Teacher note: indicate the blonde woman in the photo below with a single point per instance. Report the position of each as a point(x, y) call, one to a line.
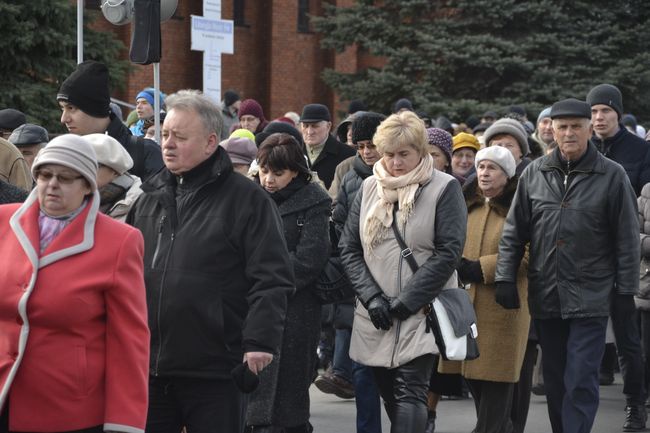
point(389, 330)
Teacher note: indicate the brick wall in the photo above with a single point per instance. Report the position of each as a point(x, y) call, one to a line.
point(272, 63)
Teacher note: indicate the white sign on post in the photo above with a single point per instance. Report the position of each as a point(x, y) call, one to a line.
point(213, 36)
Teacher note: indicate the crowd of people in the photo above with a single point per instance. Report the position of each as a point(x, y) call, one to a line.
point(168, 287)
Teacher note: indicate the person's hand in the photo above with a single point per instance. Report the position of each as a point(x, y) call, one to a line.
point(507, 295)
point(257, 360)
point(469, 271)
point(379, 312)
point(399, 310)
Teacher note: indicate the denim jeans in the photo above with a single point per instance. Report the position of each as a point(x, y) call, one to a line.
point(367, 399)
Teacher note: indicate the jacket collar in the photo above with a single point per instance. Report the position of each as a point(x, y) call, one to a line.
point(604, 145)
point(589, 163)
point(214, 169)
point(76, 238)
point(362, 169)
point(501, 204)
point(329, 148)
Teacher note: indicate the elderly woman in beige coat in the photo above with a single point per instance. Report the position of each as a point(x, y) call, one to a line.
point(389, 331)
point(502, 333)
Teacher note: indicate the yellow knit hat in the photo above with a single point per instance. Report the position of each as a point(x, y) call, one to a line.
point(465, 140)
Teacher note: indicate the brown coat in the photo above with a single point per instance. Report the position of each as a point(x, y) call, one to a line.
point(502, 334)
point(13, 168)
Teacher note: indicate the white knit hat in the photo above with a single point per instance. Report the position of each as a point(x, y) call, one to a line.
point(110, 152)
point(500, 156)
point(72, 151)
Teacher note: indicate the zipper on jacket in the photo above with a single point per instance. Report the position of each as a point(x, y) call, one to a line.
point(161, 225)
point(160, 294)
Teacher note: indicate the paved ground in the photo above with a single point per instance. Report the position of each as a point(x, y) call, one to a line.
point(330, 414)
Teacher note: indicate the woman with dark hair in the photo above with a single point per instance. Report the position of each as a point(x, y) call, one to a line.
point(281, 402)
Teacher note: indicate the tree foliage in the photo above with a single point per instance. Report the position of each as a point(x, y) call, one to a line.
point(39, 47)
point(461, 57)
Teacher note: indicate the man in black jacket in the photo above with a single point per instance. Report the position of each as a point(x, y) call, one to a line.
point(217, 274)
point(84, 100)
point(633, 153)
point(577, 212)
point(324, 151)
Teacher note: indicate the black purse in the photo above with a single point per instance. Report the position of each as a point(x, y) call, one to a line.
point(450, 316)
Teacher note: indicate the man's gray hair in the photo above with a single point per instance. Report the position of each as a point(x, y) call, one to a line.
point(196, 101)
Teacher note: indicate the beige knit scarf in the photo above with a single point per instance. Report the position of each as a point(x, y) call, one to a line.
point(392, 189)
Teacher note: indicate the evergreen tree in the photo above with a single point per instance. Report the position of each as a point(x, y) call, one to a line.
point(461, 57)
point(39, 50)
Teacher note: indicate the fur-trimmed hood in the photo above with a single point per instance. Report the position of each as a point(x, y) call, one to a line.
point(501, 204)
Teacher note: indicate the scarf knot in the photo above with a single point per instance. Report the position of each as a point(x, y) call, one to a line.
point(392, 190)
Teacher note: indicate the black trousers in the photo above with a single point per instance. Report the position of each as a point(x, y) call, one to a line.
point(404, 390)
point(493, 401)
point(645, 342)
point(572, 351)
point(522, 389)
point(199, 405)
point(628, 345)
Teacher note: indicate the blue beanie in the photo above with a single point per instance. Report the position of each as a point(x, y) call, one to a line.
point(148, 94)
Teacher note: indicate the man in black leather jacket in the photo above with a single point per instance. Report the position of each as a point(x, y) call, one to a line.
point(217, 274)
point(577, 213)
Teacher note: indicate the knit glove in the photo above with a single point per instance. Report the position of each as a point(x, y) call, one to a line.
point(399, 310)
point(507, 295)
point(470, 271)
point(379, 311)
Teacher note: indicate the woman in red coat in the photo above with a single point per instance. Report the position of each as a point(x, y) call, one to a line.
point(74, 341)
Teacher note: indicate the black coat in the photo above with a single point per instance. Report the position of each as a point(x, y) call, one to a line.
point(332, 154)
point(146, 154)
point(583, 239)
point(632, 152)
point(217, 270)
point(282, 399)
point(350, 185)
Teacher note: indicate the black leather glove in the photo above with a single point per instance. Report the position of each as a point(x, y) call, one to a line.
point(507, 295)
point(470, 271)
point(379, 311)
point(399, 310)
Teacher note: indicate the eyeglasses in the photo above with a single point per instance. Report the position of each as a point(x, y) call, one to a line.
point(64, 179)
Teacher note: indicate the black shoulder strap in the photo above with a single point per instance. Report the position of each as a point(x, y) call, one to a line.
point(406, 251)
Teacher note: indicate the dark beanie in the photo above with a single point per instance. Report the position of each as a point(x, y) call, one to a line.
point(403, 104)
point(608, 95)
point(278, 127)
point(230, 97)
point(11, 119)
point(357, 105)
point(87, 89)
point(365, 125)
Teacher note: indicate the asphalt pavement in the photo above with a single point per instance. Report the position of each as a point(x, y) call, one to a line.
point(330, 414)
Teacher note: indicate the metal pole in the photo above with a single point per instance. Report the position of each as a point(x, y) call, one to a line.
point(80, 31)
point(156, 100)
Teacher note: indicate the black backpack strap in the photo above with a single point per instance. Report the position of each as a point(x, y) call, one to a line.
point(406, 251)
